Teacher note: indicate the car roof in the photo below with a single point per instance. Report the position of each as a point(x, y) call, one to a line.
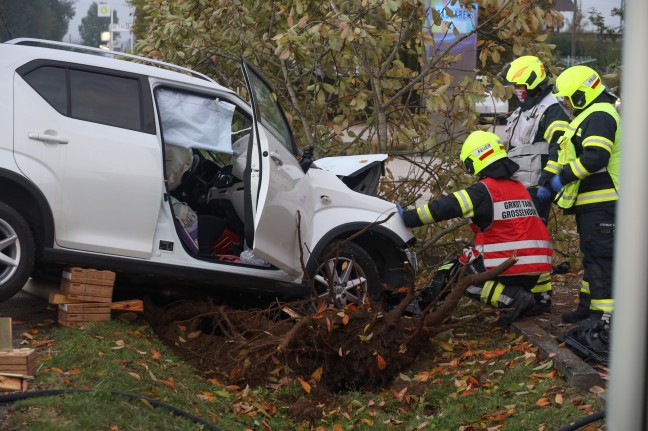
point(22, 50)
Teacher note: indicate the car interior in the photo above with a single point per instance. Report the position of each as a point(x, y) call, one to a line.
point(205, 145)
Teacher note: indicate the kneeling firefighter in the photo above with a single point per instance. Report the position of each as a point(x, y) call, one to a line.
point(505, 222)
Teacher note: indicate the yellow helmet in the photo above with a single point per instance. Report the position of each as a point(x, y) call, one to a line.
point(527, 70)
point(480, 149)
point(580, 84)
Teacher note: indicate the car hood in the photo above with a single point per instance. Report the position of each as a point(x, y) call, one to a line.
point(360, 173)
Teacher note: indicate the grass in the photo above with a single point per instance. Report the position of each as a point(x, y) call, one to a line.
point(476, 379)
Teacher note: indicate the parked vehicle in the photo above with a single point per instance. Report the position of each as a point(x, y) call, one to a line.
point(156, 170)
point(490, 108)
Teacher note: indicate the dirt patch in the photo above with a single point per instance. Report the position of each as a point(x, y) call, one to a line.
point(343, 349)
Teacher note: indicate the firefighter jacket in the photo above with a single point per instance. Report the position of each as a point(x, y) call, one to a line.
point(590, 155)
point(503, 218)
point(532, 133)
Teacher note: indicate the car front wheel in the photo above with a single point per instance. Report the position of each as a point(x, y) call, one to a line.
point(346, 274)
point(17, 252)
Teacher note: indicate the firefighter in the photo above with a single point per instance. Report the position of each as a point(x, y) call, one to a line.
point(588, 185)
point(532, 133)
point(505, 222)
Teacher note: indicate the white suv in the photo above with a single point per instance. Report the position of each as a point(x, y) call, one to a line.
point(153, 169)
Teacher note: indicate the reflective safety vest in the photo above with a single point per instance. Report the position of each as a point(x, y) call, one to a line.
point(521, 129)
point(516, 231)
point(569, 195)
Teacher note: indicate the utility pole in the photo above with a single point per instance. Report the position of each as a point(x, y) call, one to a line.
point(574, 28)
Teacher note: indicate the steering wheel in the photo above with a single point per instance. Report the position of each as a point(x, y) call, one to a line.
point(191, 173)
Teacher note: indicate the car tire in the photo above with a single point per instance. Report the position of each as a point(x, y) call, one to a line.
point(351, 284)
point(17, 252)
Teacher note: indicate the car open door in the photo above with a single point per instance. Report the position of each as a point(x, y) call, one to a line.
point(278, 203)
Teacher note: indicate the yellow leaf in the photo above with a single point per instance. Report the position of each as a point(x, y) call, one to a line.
point(317, 374)
point(597, 390)
point(305, 386)
point(559, 399)
point(381, 363)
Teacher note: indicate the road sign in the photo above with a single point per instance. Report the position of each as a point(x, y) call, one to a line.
point(103, 10)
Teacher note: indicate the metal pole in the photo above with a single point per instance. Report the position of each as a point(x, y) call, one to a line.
point(574, 25)
point(110, 40)
point(627, 403)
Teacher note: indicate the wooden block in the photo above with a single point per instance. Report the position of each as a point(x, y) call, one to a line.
point(19, 369)
point(60, 298)
point(130, 305)
point(85, 292)
point(10, 383)
point(89, 276)
point(86, 308)
point(65, 317)
point(18, 357)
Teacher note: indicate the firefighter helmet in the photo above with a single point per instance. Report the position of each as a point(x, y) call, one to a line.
point(580, 84)
point(527, 71)
point(480, 150)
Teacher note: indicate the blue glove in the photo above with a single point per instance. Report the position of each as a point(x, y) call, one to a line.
point(543, 194)
point(400, 209)
point(556, 184)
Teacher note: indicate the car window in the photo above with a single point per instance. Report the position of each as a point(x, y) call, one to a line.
point(50, 83)
point(97, 97)
point(105, 99)
point(272, 116)
point(195, 121)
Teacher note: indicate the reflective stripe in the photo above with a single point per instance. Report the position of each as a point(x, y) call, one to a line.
point(424, 214)
point(521, 260)
point(492, 293)
point(465, 203)
point(585, 287)
point(556, 126)
point(517, 245)
point(605, 195)
point(543, 284)
point(446, 266)
point(599, 141)
point(604, 305)
point(578, 169)
point(553, 167)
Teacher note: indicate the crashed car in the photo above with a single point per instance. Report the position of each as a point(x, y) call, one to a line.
point(154, 170)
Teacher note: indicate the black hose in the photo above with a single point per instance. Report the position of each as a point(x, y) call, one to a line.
point(18, 396)
point(584, 421)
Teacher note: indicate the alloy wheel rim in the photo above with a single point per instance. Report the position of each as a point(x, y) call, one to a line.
point(9, 252)
point(348, 281)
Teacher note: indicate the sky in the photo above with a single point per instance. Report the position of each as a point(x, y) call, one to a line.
point(81, 8)
point(603, 6)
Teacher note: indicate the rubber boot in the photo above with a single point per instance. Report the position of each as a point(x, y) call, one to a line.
point(542, 304)
point(522, 301)
point(579, 314)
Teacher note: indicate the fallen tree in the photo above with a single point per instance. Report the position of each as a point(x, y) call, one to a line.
point(362, 347)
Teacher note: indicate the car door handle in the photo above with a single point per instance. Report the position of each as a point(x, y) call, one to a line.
point(44, 137)
point(277, 159)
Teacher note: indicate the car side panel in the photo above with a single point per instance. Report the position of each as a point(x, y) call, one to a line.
point(104, 184)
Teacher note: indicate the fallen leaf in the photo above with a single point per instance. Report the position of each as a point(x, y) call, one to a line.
point(155, 354)
point(345, 319)
point(543, 402)
point(559, 399)
point(381, 363)
point(194, 334)
point(135, 375)
point(305, 386)
point(317, 374)
point(597, 390)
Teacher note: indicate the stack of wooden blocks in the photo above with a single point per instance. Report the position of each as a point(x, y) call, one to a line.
point(16, 366)
point(88, 296)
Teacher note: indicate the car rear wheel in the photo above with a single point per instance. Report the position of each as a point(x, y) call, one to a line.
point(17, 251)
point(346, 274)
